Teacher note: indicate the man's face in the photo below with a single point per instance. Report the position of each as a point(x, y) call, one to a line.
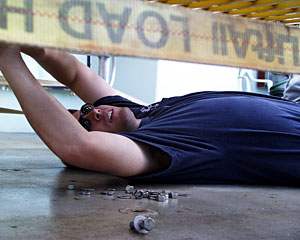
point(111, 119)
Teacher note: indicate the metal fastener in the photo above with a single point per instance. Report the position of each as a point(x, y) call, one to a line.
point(173, 195)
point(129, 189)
point(141, 224)
point(85, 193)
point(147, 224)
point(146, 194)
point(161, 198)
point(139, 194)
point(111, 191)
point(166, 195)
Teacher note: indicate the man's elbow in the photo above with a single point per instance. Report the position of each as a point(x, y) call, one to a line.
point(71, 156)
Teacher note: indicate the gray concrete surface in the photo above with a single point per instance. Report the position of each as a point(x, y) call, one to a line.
point(35, 203)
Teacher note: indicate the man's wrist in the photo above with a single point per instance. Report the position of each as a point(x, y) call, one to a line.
point(9, 57)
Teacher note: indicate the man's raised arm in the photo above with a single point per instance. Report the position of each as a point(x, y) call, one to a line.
point(68, 70)
point(62, 133)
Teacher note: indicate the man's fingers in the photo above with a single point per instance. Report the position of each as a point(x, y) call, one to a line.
point(34, 52)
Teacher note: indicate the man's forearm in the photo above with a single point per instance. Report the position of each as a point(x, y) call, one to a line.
point(65, 68)
point(61, 65)
point(58, 129)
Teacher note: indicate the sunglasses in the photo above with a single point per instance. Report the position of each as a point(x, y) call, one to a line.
point(84, 110)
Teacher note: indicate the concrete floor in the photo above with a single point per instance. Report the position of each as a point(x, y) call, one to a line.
point(35, 203)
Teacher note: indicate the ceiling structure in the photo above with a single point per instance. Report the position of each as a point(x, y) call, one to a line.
point(283, 11)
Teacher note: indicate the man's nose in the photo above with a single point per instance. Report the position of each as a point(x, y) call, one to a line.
point(95, 114)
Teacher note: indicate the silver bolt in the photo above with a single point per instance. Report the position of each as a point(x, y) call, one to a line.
point(111, 191)
point(142, 224)
point(165, 195)
point(147, 224)
point(173, 195)
point(161, 198)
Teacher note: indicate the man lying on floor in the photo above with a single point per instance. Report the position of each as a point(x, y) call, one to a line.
point(204, 137)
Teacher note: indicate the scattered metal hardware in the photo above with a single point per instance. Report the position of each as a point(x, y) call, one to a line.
point(129, 189)
point(141, 224)
point(162, 196)
point(71, 186)
point(173, 195)
point(124, 196)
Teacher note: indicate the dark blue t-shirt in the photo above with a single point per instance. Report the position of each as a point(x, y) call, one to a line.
point(220, 137)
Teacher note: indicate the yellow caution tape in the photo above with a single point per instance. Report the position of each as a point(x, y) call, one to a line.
point(143, 29)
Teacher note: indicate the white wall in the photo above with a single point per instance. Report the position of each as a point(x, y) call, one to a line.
point(137, 77)
point(177, 78)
